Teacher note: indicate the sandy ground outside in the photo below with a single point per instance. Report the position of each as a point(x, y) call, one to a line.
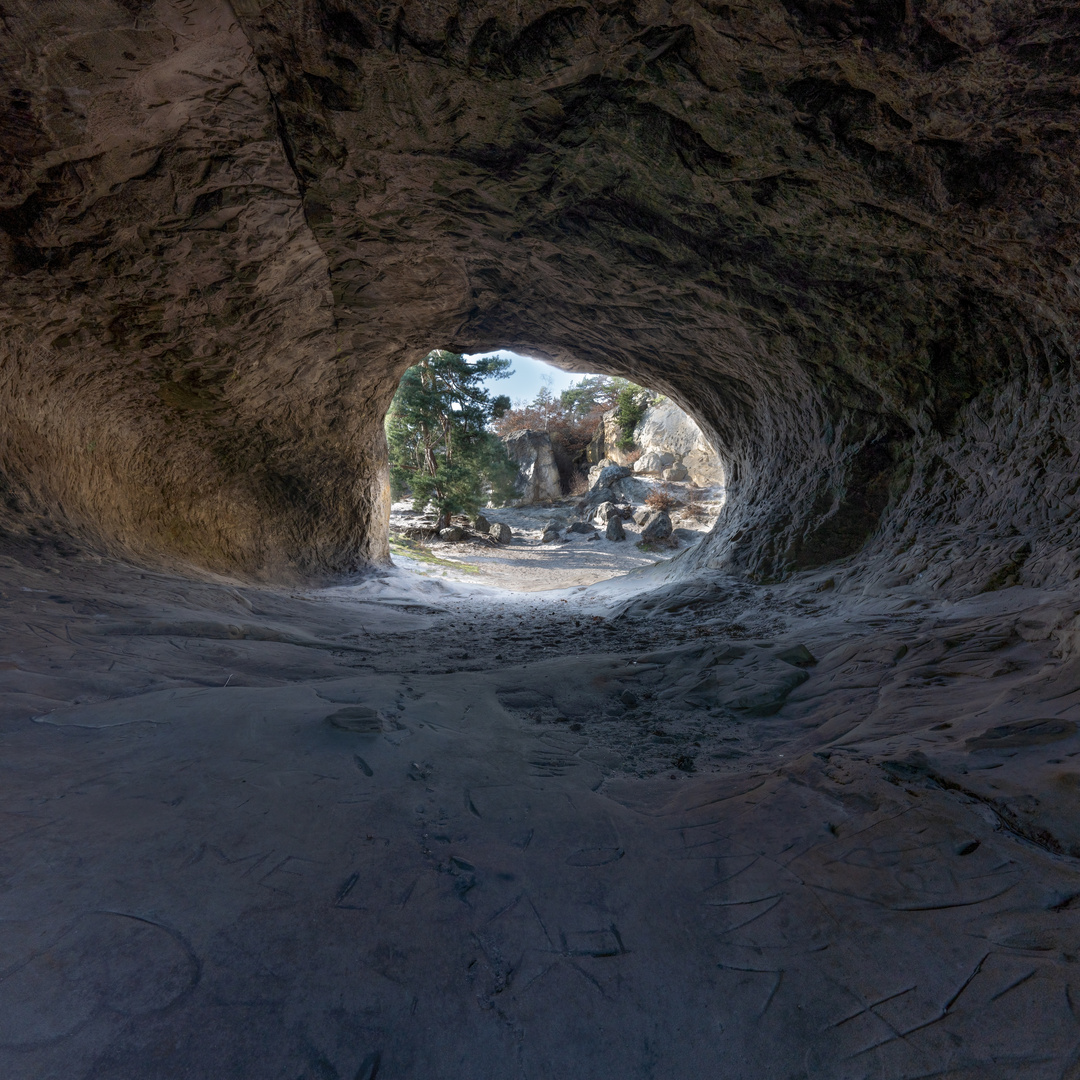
point(527, 565)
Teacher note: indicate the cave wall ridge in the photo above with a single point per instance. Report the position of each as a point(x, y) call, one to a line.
point(844, 237)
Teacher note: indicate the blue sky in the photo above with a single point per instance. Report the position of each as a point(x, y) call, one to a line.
point(529, 376)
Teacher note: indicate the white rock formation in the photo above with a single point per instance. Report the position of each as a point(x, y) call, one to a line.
point(668, 437)
point(538, 476)
point(605, 443)
point(653, 461)
point(671, 446)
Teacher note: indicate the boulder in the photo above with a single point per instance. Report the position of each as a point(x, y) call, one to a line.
point(607, 476)
point(642, 515)
point(703, 467)
point(653, 461)
point(665, 426)
point(580, 527)
point(657, 527)
point(676, 472)
point(631, 489)
point(550, 533)
point(594, 452)
point(594, 499)
point(598, 468)
point(605, 511)
point(538, 476)
point(451, 533)
point(614, 530)
point(481, 524)
point(500, 533)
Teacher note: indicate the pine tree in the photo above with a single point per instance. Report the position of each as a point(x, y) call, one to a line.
point(441, 451)
point(592, 395)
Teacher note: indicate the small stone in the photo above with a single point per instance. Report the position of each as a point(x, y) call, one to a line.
point(614, 530)
point(481, 524)
point(605, 511)
point(642, 515)
point(500, 533)
point(451, 534)
point(628, 698)
point(580, 527)
point(550, 533)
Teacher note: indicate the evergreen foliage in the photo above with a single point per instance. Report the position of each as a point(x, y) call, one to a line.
point(441, 451)
point(630, 407)
point(591, 396)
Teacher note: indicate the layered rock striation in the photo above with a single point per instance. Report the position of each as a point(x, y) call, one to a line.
point(843, 237)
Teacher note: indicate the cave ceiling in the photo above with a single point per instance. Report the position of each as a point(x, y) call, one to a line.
point(844, 235)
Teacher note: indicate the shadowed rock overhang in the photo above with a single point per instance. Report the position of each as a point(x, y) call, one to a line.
point(843, 236)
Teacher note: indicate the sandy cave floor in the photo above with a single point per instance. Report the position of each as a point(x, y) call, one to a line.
point(413, 828)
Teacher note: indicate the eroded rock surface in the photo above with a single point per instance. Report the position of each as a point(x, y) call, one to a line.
point(665, 430)
point(538, 475)
point(399, 829)
point(728, 824)
point(842, 237)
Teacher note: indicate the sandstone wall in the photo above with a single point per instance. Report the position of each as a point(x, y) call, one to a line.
point(605, 443)
point(844, 237)
point(665, 428)
point(538, 475)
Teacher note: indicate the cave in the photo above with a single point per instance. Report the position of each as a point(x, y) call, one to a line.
point(798, 802)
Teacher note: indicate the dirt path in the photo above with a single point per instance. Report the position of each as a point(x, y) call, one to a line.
point(527, 565)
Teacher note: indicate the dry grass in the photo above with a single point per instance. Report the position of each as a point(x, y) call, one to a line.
point(662, 498)
point(695, 510)
point(407, 548)
point(654, 547)
point(632, 456)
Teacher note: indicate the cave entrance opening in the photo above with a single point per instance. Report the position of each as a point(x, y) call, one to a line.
point(507, 471)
